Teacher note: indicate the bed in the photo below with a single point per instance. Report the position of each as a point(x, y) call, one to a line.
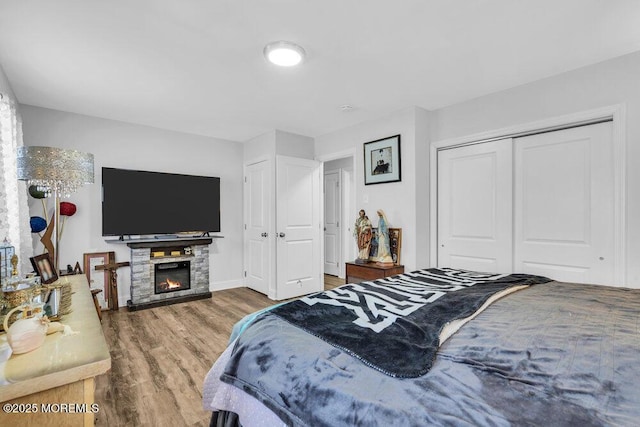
point(529, 351)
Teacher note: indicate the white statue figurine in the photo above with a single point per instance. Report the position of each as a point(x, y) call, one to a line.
point(384, 244)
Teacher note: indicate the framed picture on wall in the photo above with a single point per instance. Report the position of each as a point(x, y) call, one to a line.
point(99, 279)
point(382, 161)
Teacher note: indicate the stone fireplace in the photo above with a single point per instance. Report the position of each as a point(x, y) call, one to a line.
point(168, 271)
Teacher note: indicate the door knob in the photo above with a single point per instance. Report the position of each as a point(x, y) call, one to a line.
point(281, 234)
point(265, 234)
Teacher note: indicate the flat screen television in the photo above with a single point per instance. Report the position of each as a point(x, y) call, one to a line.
point(141, 203)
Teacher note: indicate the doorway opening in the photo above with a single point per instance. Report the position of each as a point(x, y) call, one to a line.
point(338, 206)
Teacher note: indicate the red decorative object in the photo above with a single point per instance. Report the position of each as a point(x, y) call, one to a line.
point(67, 209)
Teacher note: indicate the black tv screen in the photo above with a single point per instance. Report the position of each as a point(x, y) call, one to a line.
point(141, 202)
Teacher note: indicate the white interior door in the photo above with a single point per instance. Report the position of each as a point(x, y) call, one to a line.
point(332, 237)
point(258, 241)
point(299, 262)
point(475, 207)
point(564, 204)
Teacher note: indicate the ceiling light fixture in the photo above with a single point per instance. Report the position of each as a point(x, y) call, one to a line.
point(284, 54)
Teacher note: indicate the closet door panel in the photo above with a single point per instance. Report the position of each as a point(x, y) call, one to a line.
point(299, 262)
point(564, 222)
point(475, 207)
point(258, 247)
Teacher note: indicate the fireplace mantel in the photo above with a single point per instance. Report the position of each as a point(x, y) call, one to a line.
point(163, 239)
point(159, 243)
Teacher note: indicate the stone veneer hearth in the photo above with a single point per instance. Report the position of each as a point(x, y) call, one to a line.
point(145, 255)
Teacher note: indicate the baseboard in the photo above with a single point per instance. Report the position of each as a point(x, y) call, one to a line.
point(177, 300)
point(227, 284)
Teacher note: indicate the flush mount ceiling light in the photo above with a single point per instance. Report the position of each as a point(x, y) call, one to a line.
point(284, 54)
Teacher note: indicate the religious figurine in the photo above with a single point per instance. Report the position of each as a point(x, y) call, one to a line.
point(362, 232)
point(384, 245)
point(14, 264)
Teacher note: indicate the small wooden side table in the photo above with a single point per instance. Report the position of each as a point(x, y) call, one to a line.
point(361, 272)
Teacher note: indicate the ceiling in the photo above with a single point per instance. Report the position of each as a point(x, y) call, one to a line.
point(197, 66)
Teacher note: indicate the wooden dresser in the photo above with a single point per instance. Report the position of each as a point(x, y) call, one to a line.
point(54, 384)
point(361, 272)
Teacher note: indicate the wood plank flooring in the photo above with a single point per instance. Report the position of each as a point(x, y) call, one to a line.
point(160, 356)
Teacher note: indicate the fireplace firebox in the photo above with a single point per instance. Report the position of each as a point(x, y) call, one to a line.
point(172, 276)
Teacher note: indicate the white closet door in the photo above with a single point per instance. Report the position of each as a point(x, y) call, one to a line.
point(258, 242)
point(475, 207)
point(564, 206)
point(299, 263)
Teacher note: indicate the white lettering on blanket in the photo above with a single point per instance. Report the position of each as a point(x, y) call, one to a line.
point(377, 310)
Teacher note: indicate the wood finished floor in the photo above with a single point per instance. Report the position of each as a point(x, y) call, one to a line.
point(160, 356)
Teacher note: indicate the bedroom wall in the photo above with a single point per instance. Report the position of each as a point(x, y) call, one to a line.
point(403, 203)
point(129, 146)
point(608, 83)
point(5, 86)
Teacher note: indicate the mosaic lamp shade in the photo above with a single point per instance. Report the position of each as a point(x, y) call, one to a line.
point(53, 169)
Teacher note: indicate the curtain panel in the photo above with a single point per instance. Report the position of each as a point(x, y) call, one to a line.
point(14, 209)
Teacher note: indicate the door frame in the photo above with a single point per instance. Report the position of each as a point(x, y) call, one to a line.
point(340, 216)
point(347, 206)
point(616, 113)
point(351, 153)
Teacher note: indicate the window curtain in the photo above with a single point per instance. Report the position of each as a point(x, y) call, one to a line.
point(14, 209)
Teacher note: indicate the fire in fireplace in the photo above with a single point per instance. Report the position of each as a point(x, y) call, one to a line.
point(172, 276)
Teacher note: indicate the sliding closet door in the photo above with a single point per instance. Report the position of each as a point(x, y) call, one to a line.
point(564, 206)
point(475, 207)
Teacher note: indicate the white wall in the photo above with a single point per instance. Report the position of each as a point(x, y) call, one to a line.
point(612, 82)
point(260, 148)
point(129, 146)
point(294, 145)
point(333, 165)
point(398, 199)
point(5, 86)
point(277, 142)
point(421, 160)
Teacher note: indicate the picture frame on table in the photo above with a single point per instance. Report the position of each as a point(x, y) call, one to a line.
point(44, 267)
point(99, 279)
point(395, 243)
point(395, 240)
point(382, 161)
